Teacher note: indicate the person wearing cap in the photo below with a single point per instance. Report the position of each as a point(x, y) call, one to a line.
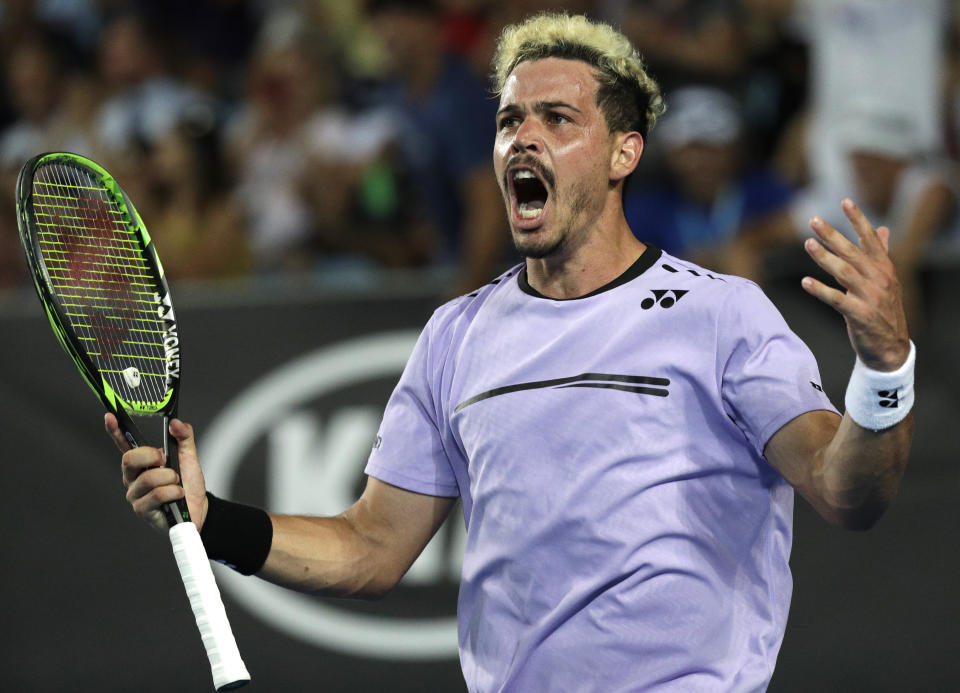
point(711, 209)
point(899, 186)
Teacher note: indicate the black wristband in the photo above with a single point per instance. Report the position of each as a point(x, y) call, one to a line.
point(239, 536)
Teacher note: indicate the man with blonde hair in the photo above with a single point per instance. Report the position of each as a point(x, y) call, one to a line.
point(623, 427)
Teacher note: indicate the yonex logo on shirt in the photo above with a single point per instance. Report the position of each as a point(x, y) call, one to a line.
point(662, 299)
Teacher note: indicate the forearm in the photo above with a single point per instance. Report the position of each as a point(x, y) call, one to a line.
point(363, 552)
point(864, 460)
point(859, 472)
point(326, 555)
point(857, 468)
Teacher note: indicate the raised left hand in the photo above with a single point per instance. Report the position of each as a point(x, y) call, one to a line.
point(872, 304)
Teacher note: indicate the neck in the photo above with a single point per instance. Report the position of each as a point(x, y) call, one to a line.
point(606, 254)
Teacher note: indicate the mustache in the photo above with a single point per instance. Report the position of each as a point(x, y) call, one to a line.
point(533, 163)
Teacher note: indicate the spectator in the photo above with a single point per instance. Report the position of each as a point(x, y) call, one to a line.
point(775, 86)
point(53, 112)
point(76, 23)
point(212, 42)
point(490, 17)
point(309, 168)
point(268, 144)
point(49, 107)
point(193, 218)
point(846, 68)
point(899, 187)
point(953, 86)
point(360, 197)
point(447, 122)
point(683, 42)
point(18, 18)
point(144, 101)
point(348, 33)
point(713, 209)
point(688, 41)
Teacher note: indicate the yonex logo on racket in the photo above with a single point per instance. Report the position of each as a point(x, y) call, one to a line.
point(171, 338)
point(165, 307)
point(171, 345)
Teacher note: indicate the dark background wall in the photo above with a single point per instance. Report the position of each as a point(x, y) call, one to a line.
point(92, 598)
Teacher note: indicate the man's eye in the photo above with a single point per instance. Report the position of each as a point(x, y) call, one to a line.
point(509, 122)
point(558, 118)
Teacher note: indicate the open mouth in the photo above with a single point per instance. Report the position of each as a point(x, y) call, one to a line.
point(530, 192)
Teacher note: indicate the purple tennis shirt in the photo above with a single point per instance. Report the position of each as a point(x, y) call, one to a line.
point(624, 531)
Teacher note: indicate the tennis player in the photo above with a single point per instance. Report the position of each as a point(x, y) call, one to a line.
point(625, 429)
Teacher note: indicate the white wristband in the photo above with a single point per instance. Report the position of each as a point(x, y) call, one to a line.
point(878, 400)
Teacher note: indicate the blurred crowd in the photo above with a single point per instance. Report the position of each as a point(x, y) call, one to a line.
point(339, 136)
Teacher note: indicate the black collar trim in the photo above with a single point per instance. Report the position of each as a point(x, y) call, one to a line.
point(646, 260)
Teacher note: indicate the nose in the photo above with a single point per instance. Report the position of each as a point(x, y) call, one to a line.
point(528, 137)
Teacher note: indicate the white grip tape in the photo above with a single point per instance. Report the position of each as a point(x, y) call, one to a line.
point(225, 662)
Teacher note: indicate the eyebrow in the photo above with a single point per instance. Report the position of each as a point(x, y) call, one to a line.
point(539, 107)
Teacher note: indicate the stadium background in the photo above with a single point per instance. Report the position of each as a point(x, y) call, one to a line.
point(92, 596)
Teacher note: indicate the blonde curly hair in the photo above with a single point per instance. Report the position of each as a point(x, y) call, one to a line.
point(628, 97)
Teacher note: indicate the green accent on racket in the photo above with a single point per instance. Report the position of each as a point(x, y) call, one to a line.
point(101, 282)
point(103, 291)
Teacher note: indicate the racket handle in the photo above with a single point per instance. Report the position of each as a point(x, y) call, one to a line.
point(226, 665)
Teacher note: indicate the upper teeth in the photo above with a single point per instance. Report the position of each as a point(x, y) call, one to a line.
point(523, 174)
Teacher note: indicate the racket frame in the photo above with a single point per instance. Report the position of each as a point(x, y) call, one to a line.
point(227, 667)
point(176, 512)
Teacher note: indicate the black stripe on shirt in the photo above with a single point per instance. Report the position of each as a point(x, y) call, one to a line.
point(581, 380)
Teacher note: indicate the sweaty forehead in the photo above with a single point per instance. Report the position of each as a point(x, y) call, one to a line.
point(550, 79)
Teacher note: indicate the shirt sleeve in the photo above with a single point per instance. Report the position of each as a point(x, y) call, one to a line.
point(768, 375)
point(408, 451)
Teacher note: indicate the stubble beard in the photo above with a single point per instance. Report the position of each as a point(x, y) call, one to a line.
point(568, 238)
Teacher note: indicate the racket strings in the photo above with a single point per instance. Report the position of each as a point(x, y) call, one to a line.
point(100, 276)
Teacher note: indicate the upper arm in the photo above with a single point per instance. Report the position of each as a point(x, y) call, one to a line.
point(411, 484)
point(797, 451)
point(850, 474)
point(397, 522)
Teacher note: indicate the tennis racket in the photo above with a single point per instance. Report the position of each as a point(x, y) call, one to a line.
point(102, 287)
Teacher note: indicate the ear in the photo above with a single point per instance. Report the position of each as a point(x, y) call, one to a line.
point(628, 147)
